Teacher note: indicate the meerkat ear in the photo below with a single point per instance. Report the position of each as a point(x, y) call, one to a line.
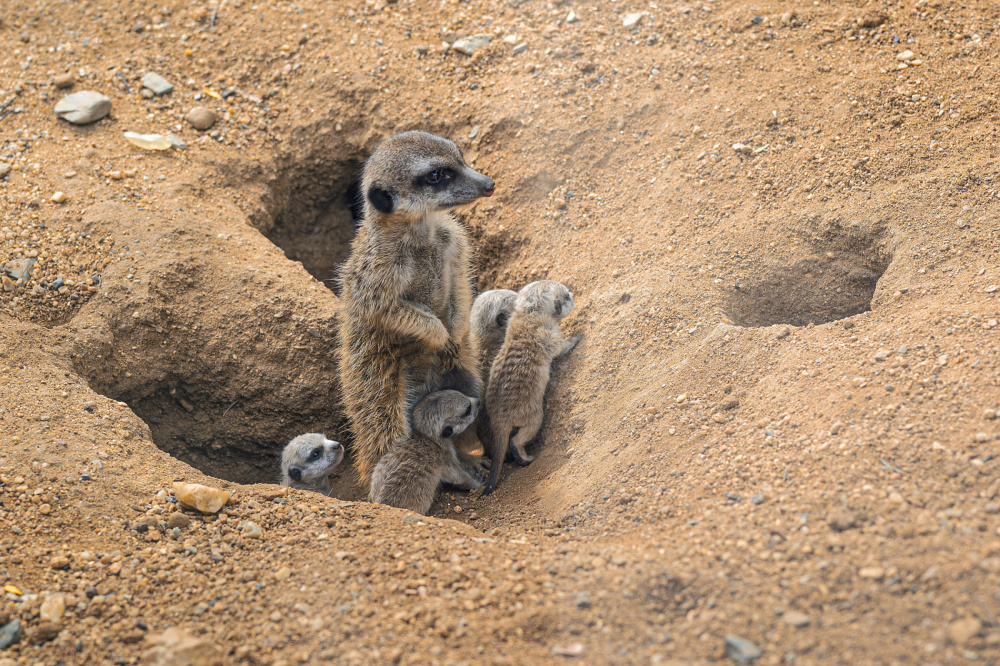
point(295, 473)
point(502, 319)
point(382, 198)
point(558, 307)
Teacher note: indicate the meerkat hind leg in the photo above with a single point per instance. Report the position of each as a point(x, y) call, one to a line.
point(524, 435)
point(568, 345)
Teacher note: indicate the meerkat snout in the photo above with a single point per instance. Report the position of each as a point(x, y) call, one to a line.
point(308, 460)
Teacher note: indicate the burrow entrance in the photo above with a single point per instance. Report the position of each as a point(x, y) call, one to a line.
point(310, 209)
point(837, 279)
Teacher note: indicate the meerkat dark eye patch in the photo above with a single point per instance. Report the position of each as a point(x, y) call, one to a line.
point(382, 199)
point(316, 453)
point(502, 320)
point(295, 474)
point(447, 432)
point(559, 307)
point(436, 177)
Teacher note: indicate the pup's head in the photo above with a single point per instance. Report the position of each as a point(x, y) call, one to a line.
point(310, 458)
point(415, 173)
point(490, 313)
point(547, 297)
point(444, 414)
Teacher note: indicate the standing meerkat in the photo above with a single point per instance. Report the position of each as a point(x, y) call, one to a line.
point(308, 460)
point(520, 373)
point(406, 291)
point(490, 313)
point(407, 477)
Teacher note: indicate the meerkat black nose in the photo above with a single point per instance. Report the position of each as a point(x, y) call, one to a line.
point(335, 446)
point(489, 187)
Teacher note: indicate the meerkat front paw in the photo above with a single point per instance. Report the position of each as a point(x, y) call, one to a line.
point(448, 355)
point(477, 466)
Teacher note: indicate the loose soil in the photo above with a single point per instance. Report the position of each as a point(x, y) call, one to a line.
point(780, 423)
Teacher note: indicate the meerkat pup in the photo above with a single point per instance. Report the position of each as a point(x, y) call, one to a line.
point(490, 313)
point(408, 476)
point(520, 373)
point(407, 291)
point(308, 460)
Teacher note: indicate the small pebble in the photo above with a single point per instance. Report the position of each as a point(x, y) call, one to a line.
point(741, 650)
point(202, 498)
point(201, 118)
point(795, 619)
point(471, 44)
point(252, 530)
point(632, 20)
point(10, 634)
point(59, 197)
point(962, 631)
point(871, 573)
point(64, 80)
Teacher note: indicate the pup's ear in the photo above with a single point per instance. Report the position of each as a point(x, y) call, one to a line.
point(502, 319)
point(558, 307)
point(295, 473)
point(383, 198)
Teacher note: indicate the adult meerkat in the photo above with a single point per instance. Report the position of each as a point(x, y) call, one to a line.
point(406, 291)
point(407, 477)
point(520, 373)
point(308, 460)
point(490, 313)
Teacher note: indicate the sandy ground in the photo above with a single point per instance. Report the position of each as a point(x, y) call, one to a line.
point(778, 219)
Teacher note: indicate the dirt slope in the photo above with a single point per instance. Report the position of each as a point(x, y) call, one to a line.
point(778, 220)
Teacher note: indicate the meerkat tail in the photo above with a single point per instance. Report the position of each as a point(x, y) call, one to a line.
point(496, 448)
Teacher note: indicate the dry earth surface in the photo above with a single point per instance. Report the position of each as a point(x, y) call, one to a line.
point(779, 221)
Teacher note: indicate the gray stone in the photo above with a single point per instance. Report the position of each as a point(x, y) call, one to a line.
point(84, 107)
point(741, 650)
point(10, 634)
point(520, 48)
point(19, 269)
point(471, 44)
point(177, 142)
point(474, 133)
point(757, 499)
point(581, 600)
point(4, 169)
point(157, 84)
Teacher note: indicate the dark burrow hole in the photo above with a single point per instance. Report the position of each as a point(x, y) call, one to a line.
point(313, 211)
point(837, 279)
